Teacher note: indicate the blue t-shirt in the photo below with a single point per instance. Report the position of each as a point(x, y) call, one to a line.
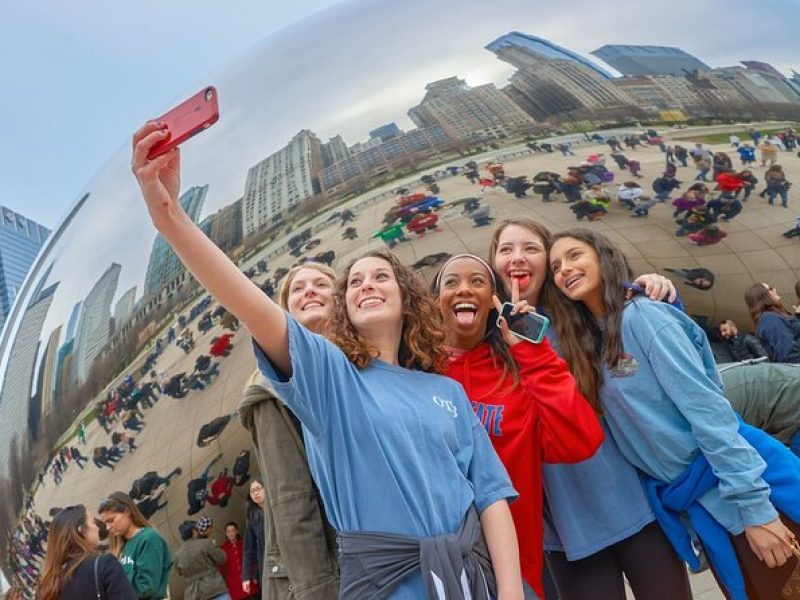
point(595, 503)
point(392, 450)
point(663, 403)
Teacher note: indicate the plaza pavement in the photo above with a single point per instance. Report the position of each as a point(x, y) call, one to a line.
point(754, 250)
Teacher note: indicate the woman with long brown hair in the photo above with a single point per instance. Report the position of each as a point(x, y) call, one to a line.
point(599, 529)
point(777, 328)
point(144, 554)
point(406, 471)
point(73, 568)
point(650, 369)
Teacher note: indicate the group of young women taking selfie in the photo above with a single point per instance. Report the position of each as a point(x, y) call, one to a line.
point(451, 455)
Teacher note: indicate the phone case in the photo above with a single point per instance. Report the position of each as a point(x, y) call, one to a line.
point(189, 118)
point(537, 332)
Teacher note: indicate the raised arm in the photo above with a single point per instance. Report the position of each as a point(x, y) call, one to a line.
point(159, 180)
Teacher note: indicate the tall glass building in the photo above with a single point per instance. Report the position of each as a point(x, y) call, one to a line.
point(544, 48)
point(649, 60)
point(20, 240)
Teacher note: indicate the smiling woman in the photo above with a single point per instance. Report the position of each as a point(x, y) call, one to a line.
point(379, 465)
point(522, 392)
point(657, 379)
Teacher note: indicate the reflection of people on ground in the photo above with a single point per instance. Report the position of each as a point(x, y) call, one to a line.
point(254, 544)
point(212, 430)
point(766, 395)
point(350, 233)
point(78, 457)
point(196, 489)
point(132, 422)
point(777, 328)
point(741, 346)
point(123, 443)
point(176, 386)
point(101, 458)
point(82, 433)
point(198, 560)
point(221, 489)
point(149, 506)
point(221, 346)
point(241, 468)
point(206, 368)
point(702, 279)
point(233, 547)
point(150, 482)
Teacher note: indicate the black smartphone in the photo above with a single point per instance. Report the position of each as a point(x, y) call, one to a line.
point(526, 326)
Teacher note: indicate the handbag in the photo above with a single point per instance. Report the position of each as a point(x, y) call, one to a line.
point(96, 579)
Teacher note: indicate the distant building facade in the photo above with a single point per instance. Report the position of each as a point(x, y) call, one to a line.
point(281, 181)
point(164, 265)
point(649, 60)
point(360, 171)
point(94, 327)
point(551, 80)
point(386, 132)
point(334, 150)
point(20, 241)
point(15, 401)
point(466, 113)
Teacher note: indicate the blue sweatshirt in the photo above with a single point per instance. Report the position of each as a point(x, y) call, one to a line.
point(663, 403)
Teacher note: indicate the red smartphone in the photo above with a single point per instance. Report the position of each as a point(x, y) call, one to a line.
point(187, 119)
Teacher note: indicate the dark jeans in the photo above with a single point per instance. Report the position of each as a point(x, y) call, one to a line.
point(646, 559)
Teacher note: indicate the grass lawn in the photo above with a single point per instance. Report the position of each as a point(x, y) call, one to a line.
point(719, 138)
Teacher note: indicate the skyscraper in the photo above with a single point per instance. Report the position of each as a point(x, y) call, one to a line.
point(334, 150)
point(649, 60)
point(540, 47)
point(124, 308)
point(16, 391)
point(164, 265)
point(386, 132)
point(281, 181)
point(551, 80)
point(94, 326)
point(20, 241)
point(467, 113)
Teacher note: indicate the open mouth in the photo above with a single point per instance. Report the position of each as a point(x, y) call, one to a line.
point(313, 304)
point(465, 313)
point(572, 281)
point(523, 277)
point(370, 302)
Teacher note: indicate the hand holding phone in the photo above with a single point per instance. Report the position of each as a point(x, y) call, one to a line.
point(186, 120)
point(528, 326)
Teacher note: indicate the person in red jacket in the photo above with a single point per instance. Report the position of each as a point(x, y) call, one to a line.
point(221, 346)
point(523, 393)
point(232, 569)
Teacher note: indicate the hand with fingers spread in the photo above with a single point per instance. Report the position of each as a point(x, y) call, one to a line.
point(656, 287)
point(160, 178)
point(771, 543)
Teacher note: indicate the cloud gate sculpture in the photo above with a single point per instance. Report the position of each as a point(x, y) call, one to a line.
point(412, 129)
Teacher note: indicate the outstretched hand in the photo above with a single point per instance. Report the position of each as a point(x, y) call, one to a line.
point(160, 178)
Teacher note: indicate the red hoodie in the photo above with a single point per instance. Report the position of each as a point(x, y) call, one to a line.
point(545, 418)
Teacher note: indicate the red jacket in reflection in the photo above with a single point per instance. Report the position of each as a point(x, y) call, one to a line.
point(543, 419)
point(221, 346)
point(232, 570)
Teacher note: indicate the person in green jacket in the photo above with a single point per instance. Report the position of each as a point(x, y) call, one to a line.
point(144, 554)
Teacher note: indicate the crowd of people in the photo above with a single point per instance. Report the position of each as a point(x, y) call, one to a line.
point(414, 442)
point(700, 209)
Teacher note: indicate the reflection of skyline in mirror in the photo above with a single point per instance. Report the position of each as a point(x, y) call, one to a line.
point(324, 112)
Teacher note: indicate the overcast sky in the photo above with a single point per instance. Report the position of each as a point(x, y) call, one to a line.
point(79, 77)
